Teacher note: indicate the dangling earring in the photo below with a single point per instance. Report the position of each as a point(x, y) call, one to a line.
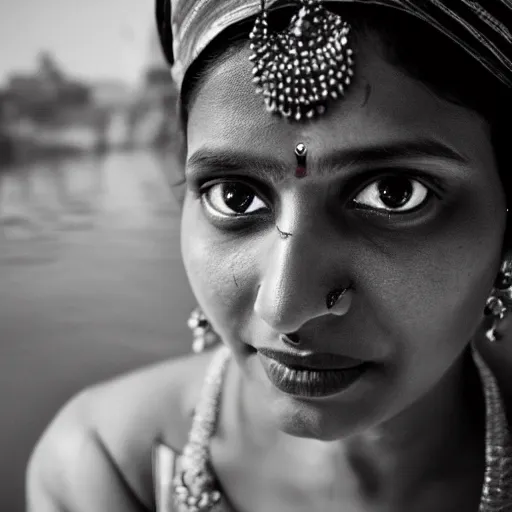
point(499, 303)
point(204, 335)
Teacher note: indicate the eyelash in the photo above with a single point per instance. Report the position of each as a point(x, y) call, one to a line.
point(433, 187)
point(204, 189)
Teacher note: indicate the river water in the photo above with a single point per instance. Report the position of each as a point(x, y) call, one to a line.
point(91, 285)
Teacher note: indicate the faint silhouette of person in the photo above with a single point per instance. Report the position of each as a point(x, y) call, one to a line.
point(7, 149)
point(15, 135)
point(15, 152)
point(100, 154)
point(167, 145)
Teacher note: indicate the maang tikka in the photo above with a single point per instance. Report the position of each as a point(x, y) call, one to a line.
point(300, 69)
point(499, 303)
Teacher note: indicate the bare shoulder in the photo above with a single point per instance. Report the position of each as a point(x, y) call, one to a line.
point(111, 428)
point(154, 402)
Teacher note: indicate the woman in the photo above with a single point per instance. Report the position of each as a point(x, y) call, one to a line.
point(348, 245)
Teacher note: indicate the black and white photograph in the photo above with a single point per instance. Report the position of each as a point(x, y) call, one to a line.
point(256, 256)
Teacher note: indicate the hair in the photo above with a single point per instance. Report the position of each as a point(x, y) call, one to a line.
point(408, 43)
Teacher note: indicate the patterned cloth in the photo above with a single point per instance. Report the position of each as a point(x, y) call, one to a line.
point(483, 28)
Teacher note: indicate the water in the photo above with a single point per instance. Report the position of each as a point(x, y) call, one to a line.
point(91, 285)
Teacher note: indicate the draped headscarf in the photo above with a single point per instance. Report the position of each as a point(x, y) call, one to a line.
point(482, 28)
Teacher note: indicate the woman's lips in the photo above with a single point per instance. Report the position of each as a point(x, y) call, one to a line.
point(310, 360)
point(310, 375)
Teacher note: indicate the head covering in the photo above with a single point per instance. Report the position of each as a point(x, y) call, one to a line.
point(482, 28)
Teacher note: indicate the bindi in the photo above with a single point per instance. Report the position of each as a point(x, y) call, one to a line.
point(300, 154)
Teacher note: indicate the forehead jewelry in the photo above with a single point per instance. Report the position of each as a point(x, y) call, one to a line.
point(300, 69)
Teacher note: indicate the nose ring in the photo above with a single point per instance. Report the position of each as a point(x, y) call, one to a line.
point(334, 296)
point(290, 339)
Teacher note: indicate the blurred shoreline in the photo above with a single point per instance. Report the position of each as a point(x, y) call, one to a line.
point(91, 278)
point(91, 285)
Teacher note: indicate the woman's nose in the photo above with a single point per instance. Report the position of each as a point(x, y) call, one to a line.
point(299, 275)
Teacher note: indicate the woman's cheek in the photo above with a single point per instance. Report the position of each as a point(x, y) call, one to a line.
point(219, 267)
point(207, 270)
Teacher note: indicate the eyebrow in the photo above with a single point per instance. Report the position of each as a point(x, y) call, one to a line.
point(265, 167)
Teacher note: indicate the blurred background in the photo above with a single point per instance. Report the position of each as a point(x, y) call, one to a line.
point(91, 280)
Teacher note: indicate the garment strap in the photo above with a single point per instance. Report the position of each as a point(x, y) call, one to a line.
point(164, 468)
point(180, 479)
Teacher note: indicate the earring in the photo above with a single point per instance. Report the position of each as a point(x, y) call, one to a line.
point(499, 303)
point(204, 335)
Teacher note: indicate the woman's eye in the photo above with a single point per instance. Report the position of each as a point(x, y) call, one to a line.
point(233, 199)
point(393, 194)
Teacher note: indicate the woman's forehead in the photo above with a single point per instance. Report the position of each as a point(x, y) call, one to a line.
point(384, 106)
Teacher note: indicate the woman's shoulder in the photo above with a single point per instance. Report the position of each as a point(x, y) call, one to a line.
point(120, 420)
point(156, 400)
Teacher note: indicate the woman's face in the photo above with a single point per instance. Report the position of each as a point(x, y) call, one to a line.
point(420, 272)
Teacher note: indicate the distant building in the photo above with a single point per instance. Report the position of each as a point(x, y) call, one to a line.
point(154, 117)
point(46, 94)
point(112, 94)
point(96, 115)
point(157, 78)
point(50, 112)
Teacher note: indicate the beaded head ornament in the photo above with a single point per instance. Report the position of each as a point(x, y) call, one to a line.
point(300, 69)
point(482, 28)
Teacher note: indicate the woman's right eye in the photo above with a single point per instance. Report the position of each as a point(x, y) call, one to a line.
point(233, 199)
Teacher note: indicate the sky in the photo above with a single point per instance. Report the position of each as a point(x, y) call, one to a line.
point(91, 39)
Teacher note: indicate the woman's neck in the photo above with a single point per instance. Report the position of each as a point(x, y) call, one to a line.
point(439, 440)
point(441, 436)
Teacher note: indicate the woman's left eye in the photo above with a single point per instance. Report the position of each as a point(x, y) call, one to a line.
point(393, 194)
point(233, 199)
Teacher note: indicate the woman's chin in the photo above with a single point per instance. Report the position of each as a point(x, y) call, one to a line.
point(333, 416)
point(307, 420)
